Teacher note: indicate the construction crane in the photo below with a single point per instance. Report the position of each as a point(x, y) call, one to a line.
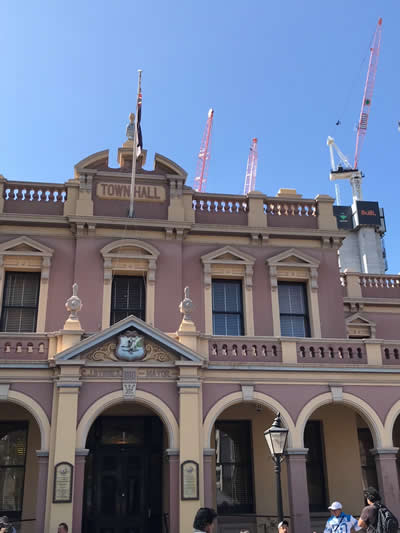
point(200, 179)
point(344, 170)
point(251, 169)
point(368, 92)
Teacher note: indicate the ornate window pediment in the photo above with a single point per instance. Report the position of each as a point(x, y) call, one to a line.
point(228, 262)
point(293, 265)
point(360, 327)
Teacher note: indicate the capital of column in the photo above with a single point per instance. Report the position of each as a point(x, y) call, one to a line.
point(80, 455)
point(297, 451)
point(172, 454)
point(384, 451)
point(42, 456)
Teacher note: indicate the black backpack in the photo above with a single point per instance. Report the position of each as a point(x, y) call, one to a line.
point(386, 521)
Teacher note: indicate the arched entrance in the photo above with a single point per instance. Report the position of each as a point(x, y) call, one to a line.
point(339, 442)
point(126, 478)
point(20, 469)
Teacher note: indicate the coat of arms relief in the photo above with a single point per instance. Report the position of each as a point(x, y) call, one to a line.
point(130, 346)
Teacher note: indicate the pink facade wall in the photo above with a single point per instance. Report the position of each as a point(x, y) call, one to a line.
point(387, 324)
point(41, 392)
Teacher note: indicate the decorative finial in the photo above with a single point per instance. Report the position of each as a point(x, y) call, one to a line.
point(186, 306)
point(74, 303)
point(130, 128)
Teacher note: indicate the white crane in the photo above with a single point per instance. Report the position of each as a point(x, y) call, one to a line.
point(343, 171)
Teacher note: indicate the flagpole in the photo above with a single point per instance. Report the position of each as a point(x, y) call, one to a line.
point(134, 151)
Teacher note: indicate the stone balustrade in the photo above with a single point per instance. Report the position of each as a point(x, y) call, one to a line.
point(287, 208)
point(43, 192)
point(391, 353)
point(245, 349)
point(334, 352)
point(380, 281)
point(360, 285)
point(23, 347)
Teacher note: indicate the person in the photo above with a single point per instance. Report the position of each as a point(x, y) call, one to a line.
point(369, 515)
point(62, 528)
point(6, 526)
point(283, 527)
point(204, 520)
point(340, 522)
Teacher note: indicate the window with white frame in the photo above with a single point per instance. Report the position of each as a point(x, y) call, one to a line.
point(20, 302)
point(227, 307)
point(293, 309)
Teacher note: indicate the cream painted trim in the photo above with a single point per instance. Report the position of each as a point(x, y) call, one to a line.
point(238, 266)
point(305, 270)
point(360, 406)
point(390, 420)
point(145, 398)
point(237, 397)
point(37, 259)
point(36, 411)
point(141, 259)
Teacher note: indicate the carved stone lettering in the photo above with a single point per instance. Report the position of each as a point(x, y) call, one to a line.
point(121, 191)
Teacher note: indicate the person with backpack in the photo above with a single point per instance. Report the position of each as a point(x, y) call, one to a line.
point(376, 517)
point(339, 522)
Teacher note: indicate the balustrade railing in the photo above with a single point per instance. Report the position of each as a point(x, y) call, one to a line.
point(22, 346)
point(245, 350)
point(43, 192)
point(331, 353)
point(391, 354)
point(379, 281)
point(218, 204)
point(300, 208)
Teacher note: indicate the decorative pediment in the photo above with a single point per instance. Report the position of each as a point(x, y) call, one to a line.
point(228, 262)
point(129, 341)
point(129, 255)
point(293, 256)
point(293, 265)
point(25, 246)
point(359, 326)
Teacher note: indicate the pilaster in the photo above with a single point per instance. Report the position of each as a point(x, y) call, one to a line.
point(172, 456)
point(190, 424)
point(386, 468)
point(298, 494)
point(41, 489)
point(80, 461)
point(326, 218)
point(256, 216)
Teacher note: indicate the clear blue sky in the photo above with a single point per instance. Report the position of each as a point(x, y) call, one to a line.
point(281, 71)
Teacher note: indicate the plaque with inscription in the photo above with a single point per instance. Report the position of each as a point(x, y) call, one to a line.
point(189, 480)
point(63, 476)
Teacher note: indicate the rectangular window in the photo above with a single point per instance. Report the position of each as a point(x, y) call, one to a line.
point(293, 309)
point(13, 441)
point(227, 307)
point(234, 467)
point(368, 467)
point(128, 297)
point(315, 466)
point(20, 302)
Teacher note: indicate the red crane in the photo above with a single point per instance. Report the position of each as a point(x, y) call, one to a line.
point(251, 170)
point(200, 179)
point(368, 92)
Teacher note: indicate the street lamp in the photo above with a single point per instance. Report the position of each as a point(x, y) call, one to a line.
point(276, 437)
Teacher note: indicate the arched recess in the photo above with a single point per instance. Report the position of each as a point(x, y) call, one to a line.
point(129, 257)
point(36, 411)
point(360, 406)
point(237, 397)
point(145, 398)
point(390, 421)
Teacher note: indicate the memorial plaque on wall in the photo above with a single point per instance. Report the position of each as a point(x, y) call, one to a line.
point(63, 477)
point(189, 480)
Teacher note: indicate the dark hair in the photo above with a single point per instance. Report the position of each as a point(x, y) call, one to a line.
point(204, 517)
point(64, 525)
point(372, 495)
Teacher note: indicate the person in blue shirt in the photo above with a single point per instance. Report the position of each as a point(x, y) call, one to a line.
point(340, 522)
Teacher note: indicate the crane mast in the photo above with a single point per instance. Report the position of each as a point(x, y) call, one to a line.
point(368, 92)
point(200, 179)
point(251, 169)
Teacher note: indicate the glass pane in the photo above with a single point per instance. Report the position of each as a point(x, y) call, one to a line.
point(227, 296)
point(292, 298)
point(12, 445)
point(19, 319)
point(293, 326)
point(226, 324)
point(22, 289)
point(11, 489)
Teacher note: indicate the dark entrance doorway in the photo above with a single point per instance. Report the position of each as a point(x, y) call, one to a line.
point(123, 476)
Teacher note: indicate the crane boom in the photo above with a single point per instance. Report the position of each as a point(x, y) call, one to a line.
point(200, 178)
point(368, 92)
point(251, 169)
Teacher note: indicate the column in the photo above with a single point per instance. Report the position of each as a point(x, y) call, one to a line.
point(65, 410)
point(41, 489)
point(386, 468)
point(173, 487)
point(209, 477)
point(80, 461)
point(298, 493)
point(190, 424)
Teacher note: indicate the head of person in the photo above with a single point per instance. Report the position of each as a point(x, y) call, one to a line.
point(372, 495)
point(62, 528)
point(283, 527)
point(204, 519)
point(335, 508)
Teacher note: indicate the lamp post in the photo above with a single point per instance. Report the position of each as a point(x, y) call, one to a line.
point(276, 437)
